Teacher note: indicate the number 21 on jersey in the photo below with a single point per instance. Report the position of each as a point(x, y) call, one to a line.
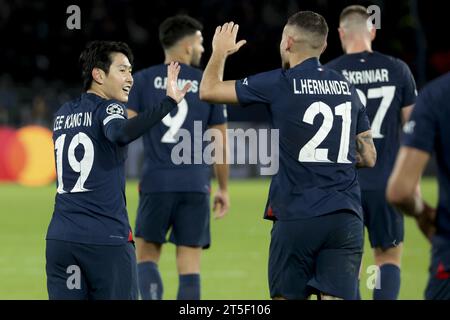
point(310, 151)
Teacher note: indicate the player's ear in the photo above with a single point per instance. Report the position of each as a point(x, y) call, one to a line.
point(188, 47)
point(341, 33)
point(289, 43)
point(190, 50)
point(324, 47)
point(373, 33)
point(98, 75)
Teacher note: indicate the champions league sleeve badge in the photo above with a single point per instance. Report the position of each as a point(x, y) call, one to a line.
point(115, 108)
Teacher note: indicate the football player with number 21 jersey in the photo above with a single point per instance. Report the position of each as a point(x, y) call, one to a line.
point(314, 199)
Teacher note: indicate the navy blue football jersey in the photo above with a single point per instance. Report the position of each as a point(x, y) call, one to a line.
point(385, 85)
point(90, 205)
point(318, 115)
point(429, 130)
point(184, 126)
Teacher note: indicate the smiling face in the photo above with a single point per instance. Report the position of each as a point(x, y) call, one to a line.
point(118, 81)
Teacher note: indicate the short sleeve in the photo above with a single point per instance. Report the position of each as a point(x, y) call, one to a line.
point(218, 114)
point(409, 89)
point(257, 88)
point(134, 98)
point(420, 131)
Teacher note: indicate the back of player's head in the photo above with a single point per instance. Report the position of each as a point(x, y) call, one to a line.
point(176, 28)
point(312, 27)
point(98, 54)
point(355, 18)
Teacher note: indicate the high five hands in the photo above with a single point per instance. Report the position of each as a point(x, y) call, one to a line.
point(224, 41)
point(173, 69)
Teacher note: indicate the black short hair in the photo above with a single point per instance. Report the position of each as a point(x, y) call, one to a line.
point(97, 54)
point(177, 27)
point(354, 10)
point(312, 23)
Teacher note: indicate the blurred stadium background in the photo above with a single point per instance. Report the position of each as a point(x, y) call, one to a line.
point(39, 72)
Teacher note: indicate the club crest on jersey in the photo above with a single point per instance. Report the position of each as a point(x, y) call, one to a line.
point(115, 108)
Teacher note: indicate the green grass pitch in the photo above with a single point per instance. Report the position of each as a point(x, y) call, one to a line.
point(235, 267)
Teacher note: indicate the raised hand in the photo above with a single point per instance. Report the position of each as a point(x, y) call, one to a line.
point(224, 41)
point(173, 69)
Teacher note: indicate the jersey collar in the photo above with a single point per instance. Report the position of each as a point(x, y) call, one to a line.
point(364, 53)
point(308, 63)
point(91, 96)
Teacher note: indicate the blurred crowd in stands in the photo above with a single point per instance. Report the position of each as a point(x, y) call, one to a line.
point(39, 55)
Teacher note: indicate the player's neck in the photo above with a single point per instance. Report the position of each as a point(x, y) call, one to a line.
point(97, 92)
point(296, 60)
point(358, 47)
point(181, 58)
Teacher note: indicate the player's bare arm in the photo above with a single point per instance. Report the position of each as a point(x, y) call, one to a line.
point(212, 87)
point(406, 113)
point(366, 154)
point(221, 170)
point(402, 188)
point(407, 171)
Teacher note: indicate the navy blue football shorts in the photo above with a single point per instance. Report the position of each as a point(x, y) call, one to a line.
point(320, 254)
point(186, 214)
point(384, 223)
point(77, 271)
point(438, 287)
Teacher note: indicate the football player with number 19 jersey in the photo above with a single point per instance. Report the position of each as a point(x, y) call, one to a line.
point(90, 249)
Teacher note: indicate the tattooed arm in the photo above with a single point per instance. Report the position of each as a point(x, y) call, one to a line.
point(366, 154)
